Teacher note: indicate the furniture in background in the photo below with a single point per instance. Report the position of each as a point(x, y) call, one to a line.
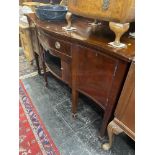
point(118, 13)
point(33, 5)
point(47, 1)
point(32, 34)
point(124, 120)
point(84, 61)
point(22, 1)
point(26, 42)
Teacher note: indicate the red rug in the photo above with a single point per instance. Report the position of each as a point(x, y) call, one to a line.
point(34, 139)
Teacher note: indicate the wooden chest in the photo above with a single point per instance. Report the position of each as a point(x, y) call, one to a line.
point(119, 13)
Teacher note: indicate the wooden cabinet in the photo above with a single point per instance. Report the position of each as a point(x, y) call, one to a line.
point(84, 60)
point(124, 120)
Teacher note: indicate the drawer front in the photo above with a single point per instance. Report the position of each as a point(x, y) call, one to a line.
point(54, 43)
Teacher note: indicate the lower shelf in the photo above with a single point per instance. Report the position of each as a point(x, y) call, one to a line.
point(53, 64)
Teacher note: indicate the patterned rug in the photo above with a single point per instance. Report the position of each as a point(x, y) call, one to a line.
point(34, 139)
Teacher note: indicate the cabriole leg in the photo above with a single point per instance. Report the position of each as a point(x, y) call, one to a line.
point(37, 62)
point(44, 66)
point(113, 128)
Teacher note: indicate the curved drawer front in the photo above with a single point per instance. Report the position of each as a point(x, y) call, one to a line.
point(54, 43)
point(109, 10)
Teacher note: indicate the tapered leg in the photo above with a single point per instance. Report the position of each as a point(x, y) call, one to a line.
point(37, 62)
point(105, 121)
point(119, 29)
point(75, 95)
point(44, 69)
point(113, 128)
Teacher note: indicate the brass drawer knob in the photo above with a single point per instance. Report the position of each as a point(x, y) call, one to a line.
point(57, 45)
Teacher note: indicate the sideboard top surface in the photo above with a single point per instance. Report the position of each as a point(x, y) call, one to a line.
point(86, 35)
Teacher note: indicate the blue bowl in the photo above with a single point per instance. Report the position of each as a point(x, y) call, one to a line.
point(51, 13)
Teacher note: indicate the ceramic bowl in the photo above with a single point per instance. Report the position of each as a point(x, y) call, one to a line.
point(51, 13)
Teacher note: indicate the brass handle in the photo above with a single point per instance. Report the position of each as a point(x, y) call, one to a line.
point(57, 45)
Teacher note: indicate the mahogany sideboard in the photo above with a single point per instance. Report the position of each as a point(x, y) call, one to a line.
point(124, 120)
point(84, 60)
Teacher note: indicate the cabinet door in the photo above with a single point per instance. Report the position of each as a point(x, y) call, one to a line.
point(97, 75)
point(66, 72)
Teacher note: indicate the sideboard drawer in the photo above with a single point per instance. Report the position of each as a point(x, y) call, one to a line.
point(54, 43)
